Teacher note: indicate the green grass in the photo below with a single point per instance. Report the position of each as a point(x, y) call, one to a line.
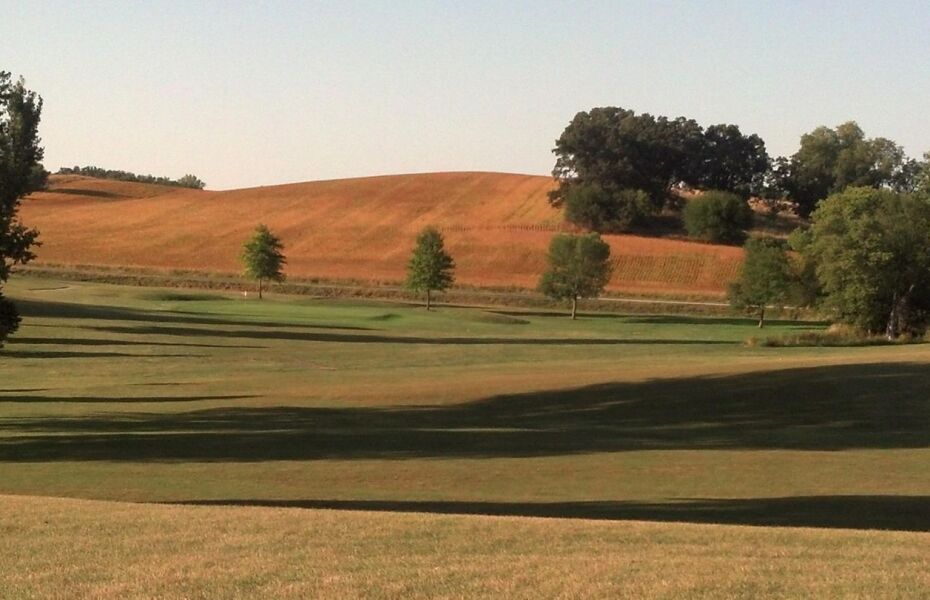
point(146, 395)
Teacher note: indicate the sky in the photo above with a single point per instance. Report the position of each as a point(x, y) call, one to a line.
point(256, 93)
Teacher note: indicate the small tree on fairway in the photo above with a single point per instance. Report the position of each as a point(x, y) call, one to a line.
point(765, 279)
point(262, 257)
point(430, 267)
point(579, 267)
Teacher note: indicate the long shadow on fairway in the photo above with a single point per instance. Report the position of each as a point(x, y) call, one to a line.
point(346, 338)
point(59, 341)
point(903, 513)
point(840, 407)
point(665, 319)
point(116, 400)
point(67, 310)
point(36, 354)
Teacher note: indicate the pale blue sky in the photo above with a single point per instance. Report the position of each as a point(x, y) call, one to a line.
point(256, 93)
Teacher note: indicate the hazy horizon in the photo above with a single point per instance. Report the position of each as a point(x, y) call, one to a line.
point(245, 96)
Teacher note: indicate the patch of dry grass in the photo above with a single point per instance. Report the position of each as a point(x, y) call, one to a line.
point(57, 548)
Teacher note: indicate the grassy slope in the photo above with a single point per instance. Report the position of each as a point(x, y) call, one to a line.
point(497, 226)
point(57, 548)
point(133, 394)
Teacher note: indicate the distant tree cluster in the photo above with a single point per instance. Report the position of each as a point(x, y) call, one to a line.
point(864, 260)
point(616, 168)
point(831, 160)
point(870, 252)
point(188, 181)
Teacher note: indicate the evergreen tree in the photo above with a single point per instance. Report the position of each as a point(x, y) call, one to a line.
point(430, 268)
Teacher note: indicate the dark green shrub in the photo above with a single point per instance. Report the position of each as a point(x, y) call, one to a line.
point(716, 216)
point(595, 208)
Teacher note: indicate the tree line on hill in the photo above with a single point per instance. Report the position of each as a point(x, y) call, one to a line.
point(188, 181)
point(617, 170)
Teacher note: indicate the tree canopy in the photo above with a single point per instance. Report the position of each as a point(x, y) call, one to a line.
point(765, 279)
point(263, 258)
point(593, 207)
point(830, 160)
point(608, 154)
point(430, 267)
point(20, 157)
point(871, 253)
point(730, 161)
point(578, 267)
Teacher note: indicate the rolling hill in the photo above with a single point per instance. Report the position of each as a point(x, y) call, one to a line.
point(497, 226)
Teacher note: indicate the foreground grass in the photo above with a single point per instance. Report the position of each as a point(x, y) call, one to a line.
point(71, 548)
point(147, 395)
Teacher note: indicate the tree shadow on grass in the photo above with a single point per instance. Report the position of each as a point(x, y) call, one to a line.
point(320, 336)
point(880, 405)
point(742, 321)
point(31, 399)
point(60, 341)
point(668, 319)
point(67, 310)
point(902, 513)
point(36, 354)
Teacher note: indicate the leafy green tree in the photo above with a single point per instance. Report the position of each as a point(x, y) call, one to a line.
point(871, 253)
point(915, 176)
point(579, 267)
point(717, 216)
point(616, 149)
point(766, 278)
point(430, 267)
point(593, 207)
point(262, 257)
point(830, 160)
point(20, 157)
point(730, 161)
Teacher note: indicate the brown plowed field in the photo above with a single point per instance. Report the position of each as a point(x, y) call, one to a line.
point(497, 227)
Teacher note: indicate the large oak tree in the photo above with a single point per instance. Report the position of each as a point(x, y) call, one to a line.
point(871, 252)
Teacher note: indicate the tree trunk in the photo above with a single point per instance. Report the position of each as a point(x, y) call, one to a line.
point(898, 311)
point(761, 317)
point(259, 288)
point(427, 299)
point(574, 307)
